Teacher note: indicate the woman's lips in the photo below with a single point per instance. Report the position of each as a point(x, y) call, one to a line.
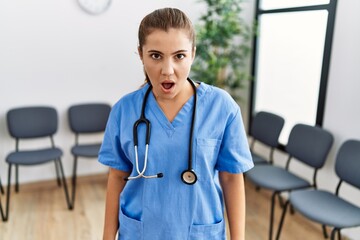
point(167, 86)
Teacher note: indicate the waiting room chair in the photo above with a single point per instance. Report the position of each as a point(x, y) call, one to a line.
point(327, 208)
point(265, 128)
point(309, 145)
point(32, 123)
point(86, 119)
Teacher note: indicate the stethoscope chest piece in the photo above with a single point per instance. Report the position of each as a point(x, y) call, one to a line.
point(189, 177)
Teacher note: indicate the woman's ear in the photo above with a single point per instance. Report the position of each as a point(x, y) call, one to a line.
point(193, 53)
point(140, 53)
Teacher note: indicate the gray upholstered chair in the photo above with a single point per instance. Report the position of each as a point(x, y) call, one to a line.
point(33, 123)
point(86, 119)
point(265, 128)
point(328, 208)
point(307, 144)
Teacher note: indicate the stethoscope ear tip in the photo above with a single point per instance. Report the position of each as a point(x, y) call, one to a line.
point(160, 175)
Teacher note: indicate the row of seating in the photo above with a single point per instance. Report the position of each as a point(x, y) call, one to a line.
point(309, 145)
point(42, 122)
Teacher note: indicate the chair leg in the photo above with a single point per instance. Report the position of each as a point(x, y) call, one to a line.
point(325, 231)
point(1, 209)
point(64, 184)
point(7, 204)
point(292, 211)
point(1, 188)
point(333, 233)
point(2, 212)
point(273, 197)
point(282, 219)
point(74, 182)
point(16, 178)
point(281, 202)
point(57, 175)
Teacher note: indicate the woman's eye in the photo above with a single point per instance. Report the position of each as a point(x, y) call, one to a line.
point(155, 56)
point(180, 56)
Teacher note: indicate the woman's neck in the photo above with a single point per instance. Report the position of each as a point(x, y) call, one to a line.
point(171, 107)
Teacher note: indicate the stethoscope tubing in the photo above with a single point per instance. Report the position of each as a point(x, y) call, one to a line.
point(188, 176)
point(141, 174)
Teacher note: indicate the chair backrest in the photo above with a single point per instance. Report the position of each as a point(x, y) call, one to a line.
point(347, 165)
point(309, 144)
point(32, 122)
point(88, 118)
point(266, 128)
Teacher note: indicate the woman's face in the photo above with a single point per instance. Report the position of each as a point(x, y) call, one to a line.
point(167, 58)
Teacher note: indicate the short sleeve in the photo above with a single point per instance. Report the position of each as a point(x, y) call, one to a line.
point(111, 153)
point(234, 155)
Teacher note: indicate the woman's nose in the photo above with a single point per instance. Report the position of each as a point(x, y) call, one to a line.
point(167, 68)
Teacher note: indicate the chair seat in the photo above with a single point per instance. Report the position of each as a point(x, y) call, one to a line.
point(86, 150)
point(275, 178)
point(326, 208)
point(34, 156)
point(257, 159)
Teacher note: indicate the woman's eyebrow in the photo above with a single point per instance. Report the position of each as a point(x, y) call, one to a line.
point(154, 51)
point(180, 51)
point(159, 52)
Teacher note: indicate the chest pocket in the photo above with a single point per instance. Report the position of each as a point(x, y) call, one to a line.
point(207, 151)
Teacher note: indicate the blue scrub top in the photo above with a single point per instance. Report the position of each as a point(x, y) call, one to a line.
point(166, 208)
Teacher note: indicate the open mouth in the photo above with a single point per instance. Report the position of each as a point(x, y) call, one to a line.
point(167, 85)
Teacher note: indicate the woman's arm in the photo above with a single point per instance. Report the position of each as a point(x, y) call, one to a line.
point(115, 186)
point(234, 196)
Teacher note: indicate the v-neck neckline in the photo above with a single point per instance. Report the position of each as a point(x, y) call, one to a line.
point(180, 118)
point(161, 117)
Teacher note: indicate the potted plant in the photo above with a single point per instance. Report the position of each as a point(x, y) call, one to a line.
point(223, 46)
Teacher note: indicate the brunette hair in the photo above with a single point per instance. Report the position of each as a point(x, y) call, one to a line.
point(164, 19)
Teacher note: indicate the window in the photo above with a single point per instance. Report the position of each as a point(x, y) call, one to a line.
point(278, 4)
point(291, 60)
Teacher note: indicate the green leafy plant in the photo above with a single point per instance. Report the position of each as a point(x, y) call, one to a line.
point(223, 46)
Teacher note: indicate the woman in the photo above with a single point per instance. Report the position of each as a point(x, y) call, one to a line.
point(176, 186)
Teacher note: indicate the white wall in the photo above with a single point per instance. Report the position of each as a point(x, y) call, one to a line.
point(53, 53)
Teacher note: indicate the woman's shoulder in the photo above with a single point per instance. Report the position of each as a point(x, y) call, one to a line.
point(215, 95)
point(128, 104)
point(132, 97)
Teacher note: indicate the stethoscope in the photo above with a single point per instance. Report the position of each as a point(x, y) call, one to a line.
point(188, 176)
